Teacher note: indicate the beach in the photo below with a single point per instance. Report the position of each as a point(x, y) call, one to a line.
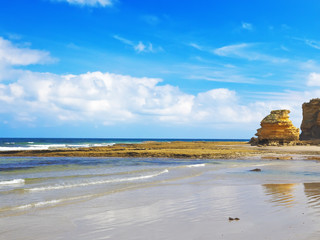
point(65, 197)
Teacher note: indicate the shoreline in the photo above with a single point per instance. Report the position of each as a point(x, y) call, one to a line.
point(179, 149)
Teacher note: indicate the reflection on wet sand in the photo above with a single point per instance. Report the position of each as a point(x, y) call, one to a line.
point(281, 194)
point(312, 191)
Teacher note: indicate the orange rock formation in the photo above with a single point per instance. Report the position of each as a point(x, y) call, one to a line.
point(277, 128)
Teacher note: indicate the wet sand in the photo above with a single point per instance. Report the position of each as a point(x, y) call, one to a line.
point(281, 202)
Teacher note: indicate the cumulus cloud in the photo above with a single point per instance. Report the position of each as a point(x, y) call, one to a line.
point(92, 3)
point(96, 96)
point(13, 55)
point(107, 98)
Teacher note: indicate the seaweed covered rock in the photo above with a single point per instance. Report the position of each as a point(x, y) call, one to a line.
point(277, 128)
point(310, 126)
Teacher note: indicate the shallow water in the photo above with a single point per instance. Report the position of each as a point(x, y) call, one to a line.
point(132, 198)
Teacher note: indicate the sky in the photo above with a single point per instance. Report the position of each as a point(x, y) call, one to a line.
point(154, 69)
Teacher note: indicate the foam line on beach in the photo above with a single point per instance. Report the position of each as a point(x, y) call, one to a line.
point(12, 182)
point(47, 203)
point(84, 184)
point(196, 165)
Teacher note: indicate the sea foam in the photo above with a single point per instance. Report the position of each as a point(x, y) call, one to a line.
point(47, 203)
point(196, 165)
point(12, 182)
point(32, 146)
point(84, 184)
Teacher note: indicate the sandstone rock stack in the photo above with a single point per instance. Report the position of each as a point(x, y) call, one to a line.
point(277, 128)
point(310, 126)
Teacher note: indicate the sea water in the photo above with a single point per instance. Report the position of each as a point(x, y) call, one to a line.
point(14, 144)
point(150, 198)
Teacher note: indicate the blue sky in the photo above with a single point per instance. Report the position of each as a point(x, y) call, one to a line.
point(175, 69)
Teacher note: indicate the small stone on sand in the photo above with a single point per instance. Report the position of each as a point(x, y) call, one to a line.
point(256, 170)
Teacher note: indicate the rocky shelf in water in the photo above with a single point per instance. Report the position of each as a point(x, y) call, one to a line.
point(194, 150)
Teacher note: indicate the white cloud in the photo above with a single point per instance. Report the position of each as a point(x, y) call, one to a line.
point(103, 98)
point(93, 96)
point(106, 98)
point(313, 79)
point(140, 46)
point(92, 3)
point(13, 55)
point(284, 48)
point(223, 76)
point(313, 43)
point(246, 51)
point(231, 50)
point(196, 46)
point(123, 40)
point(247, 26)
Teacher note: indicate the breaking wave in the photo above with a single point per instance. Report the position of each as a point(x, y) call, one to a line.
point(12, 182)
point(84, 184)
point(31, 146)
point(196, 165)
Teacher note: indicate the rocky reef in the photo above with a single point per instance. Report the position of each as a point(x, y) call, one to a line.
point(276, 129)
point(310, 126)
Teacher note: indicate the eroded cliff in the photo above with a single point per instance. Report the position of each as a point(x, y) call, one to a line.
point(310, 126)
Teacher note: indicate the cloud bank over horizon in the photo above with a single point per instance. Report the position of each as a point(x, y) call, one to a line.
point(37, 98)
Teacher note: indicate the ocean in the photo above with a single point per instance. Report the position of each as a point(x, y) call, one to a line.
point(156, 198)
point(12, 144)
